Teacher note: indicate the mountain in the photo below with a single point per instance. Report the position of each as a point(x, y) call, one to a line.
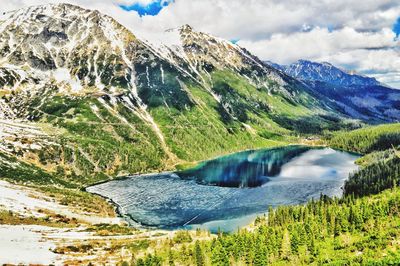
point(326, 72)
point(358, 96)
point(83, 99)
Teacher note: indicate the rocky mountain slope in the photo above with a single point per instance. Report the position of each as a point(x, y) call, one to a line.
point(325, 72)
point(91, 101)
point(358, 96)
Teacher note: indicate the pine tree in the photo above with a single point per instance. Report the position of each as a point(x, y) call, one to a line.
point(338, 227)
point(294, 240)
point(219, 256)
point(198, 253)
point(261, 253)
point(285, 249)
point(312, 248)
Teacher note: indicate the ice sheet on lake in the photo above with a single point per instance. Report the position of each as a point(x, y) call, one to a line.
point(165, 200)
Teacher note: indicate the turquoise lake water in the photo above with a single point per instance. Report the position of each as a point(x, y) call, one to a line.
point(230, 191)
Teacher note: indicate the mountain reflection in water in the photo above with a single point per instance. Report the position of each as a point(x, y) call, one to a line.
point(228, 192)
point(243, 169)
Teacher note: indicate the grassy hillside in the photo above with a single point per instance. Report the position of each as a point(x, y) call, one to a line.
point(98, 138)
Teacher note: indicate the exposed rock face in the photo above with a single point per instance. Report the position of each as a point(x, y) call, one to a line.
point(326, 72)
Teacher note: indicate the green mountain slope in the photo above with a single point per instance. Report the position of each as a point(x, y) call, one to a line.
point(104, 103)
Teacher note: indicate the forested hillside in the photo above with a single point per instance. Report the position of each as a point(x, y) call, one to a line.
point(381, 166)
point(367, 139)
point(354, 230)
point(324, 232)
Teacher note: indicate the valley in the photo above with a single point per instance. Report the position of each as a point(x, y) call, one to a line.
point(305, 168)
point(82, 241)
point(223, 194)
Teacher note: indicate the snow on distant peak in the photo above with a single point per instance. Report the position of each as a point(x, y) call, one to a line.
point(324, 72)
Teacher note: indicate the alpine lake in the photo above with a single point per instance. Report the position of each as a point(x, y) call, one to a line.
point(229, 192)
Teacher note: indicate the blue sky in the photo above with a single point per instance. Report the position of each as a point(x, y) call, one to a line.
point(396, 27)
point(143, 9)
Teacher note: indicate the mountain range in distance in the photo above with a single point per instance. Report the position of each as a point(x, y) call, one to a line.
point(359, 96)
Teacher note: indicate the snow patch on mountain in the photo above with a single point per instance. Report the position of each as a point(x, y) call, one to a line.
point(62, 75)
point(324, 72)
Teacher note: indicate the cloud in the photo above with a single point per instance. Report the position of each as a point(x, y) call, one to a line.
point(349, 33)
point(371, 53)
point(317, 43)
point(391, 78)
point(253, 20)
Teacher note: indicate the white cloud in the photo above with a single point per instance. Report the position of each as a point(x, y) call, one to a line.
point(317, 43)
point(371, 53)
point(250, 20)
point(274, 29)
point(378, 61)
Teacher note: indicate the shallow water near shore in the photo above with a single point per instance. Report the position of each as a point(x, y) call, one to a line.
point(230, 191)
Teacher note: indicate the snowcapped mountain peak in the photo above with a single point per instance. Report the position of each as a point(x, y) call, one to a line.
point(186, 28)
point(359, 96)
point(324, 72)
point(71, 51)
point(200, 53)
point(68, 50)
point(44, 12)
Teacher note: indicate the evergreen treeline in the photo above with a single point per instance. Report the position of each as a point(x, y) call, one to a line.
point(348, 231)
point(383, 168)
point(368, 139)
point(374, 178)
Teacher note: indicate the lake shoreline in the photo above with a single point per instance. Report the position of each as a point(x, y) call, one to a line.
point(154, 180)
